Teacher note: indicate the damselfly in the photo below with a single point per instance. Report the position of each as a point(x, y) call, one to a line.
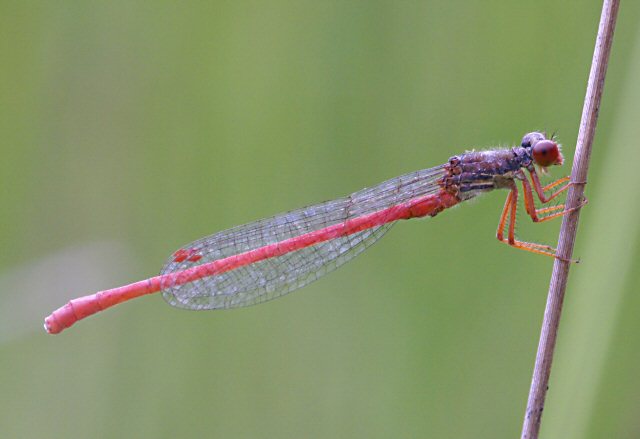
point(266, 259)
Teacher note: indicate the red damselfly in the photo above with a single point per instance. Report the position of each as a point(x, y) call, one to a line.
point(266, 259)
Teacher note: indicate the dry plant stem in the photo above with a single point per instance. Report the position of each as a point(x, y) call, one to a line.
point(544, 357)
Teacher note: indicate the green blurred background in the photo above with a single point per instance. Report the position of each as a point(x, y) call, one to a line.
point(131, 128)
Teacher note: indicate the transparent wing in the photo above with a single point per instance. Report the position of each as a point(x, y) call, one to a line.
point(279, 275)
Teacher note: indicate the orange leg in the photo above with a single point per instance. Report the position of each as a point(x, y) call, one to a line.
point(550, 208)
point(540, 190)
point(503, 217)
point(509, 213)
point(530, 205)
point(537, 215)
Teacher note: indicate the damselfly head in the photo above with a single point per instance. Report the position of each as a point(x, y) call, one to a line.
point(545, 152)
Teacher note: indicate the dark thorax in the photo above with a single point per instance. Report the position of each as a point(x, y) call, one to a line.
point(473, 173)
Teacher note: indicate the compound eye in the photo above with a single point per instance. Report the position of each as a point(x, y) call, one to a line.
point(531, 139)
point(546, 153)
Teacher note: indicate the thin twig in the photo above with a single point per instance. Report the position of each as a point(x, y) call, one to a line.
point(544, 357)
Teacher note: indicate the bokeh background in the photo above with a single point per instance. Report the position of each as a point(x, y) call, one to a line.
point(130, 128)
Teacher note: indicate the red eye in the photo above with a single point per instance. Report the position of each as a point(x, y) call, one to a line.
point(547, 153)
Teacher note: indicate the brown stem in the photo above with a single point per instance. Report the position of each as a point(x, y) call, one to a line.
point(557, 286)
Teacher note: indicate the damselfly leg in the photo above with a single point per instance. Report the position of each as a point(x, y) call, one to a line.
point(537, 215)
